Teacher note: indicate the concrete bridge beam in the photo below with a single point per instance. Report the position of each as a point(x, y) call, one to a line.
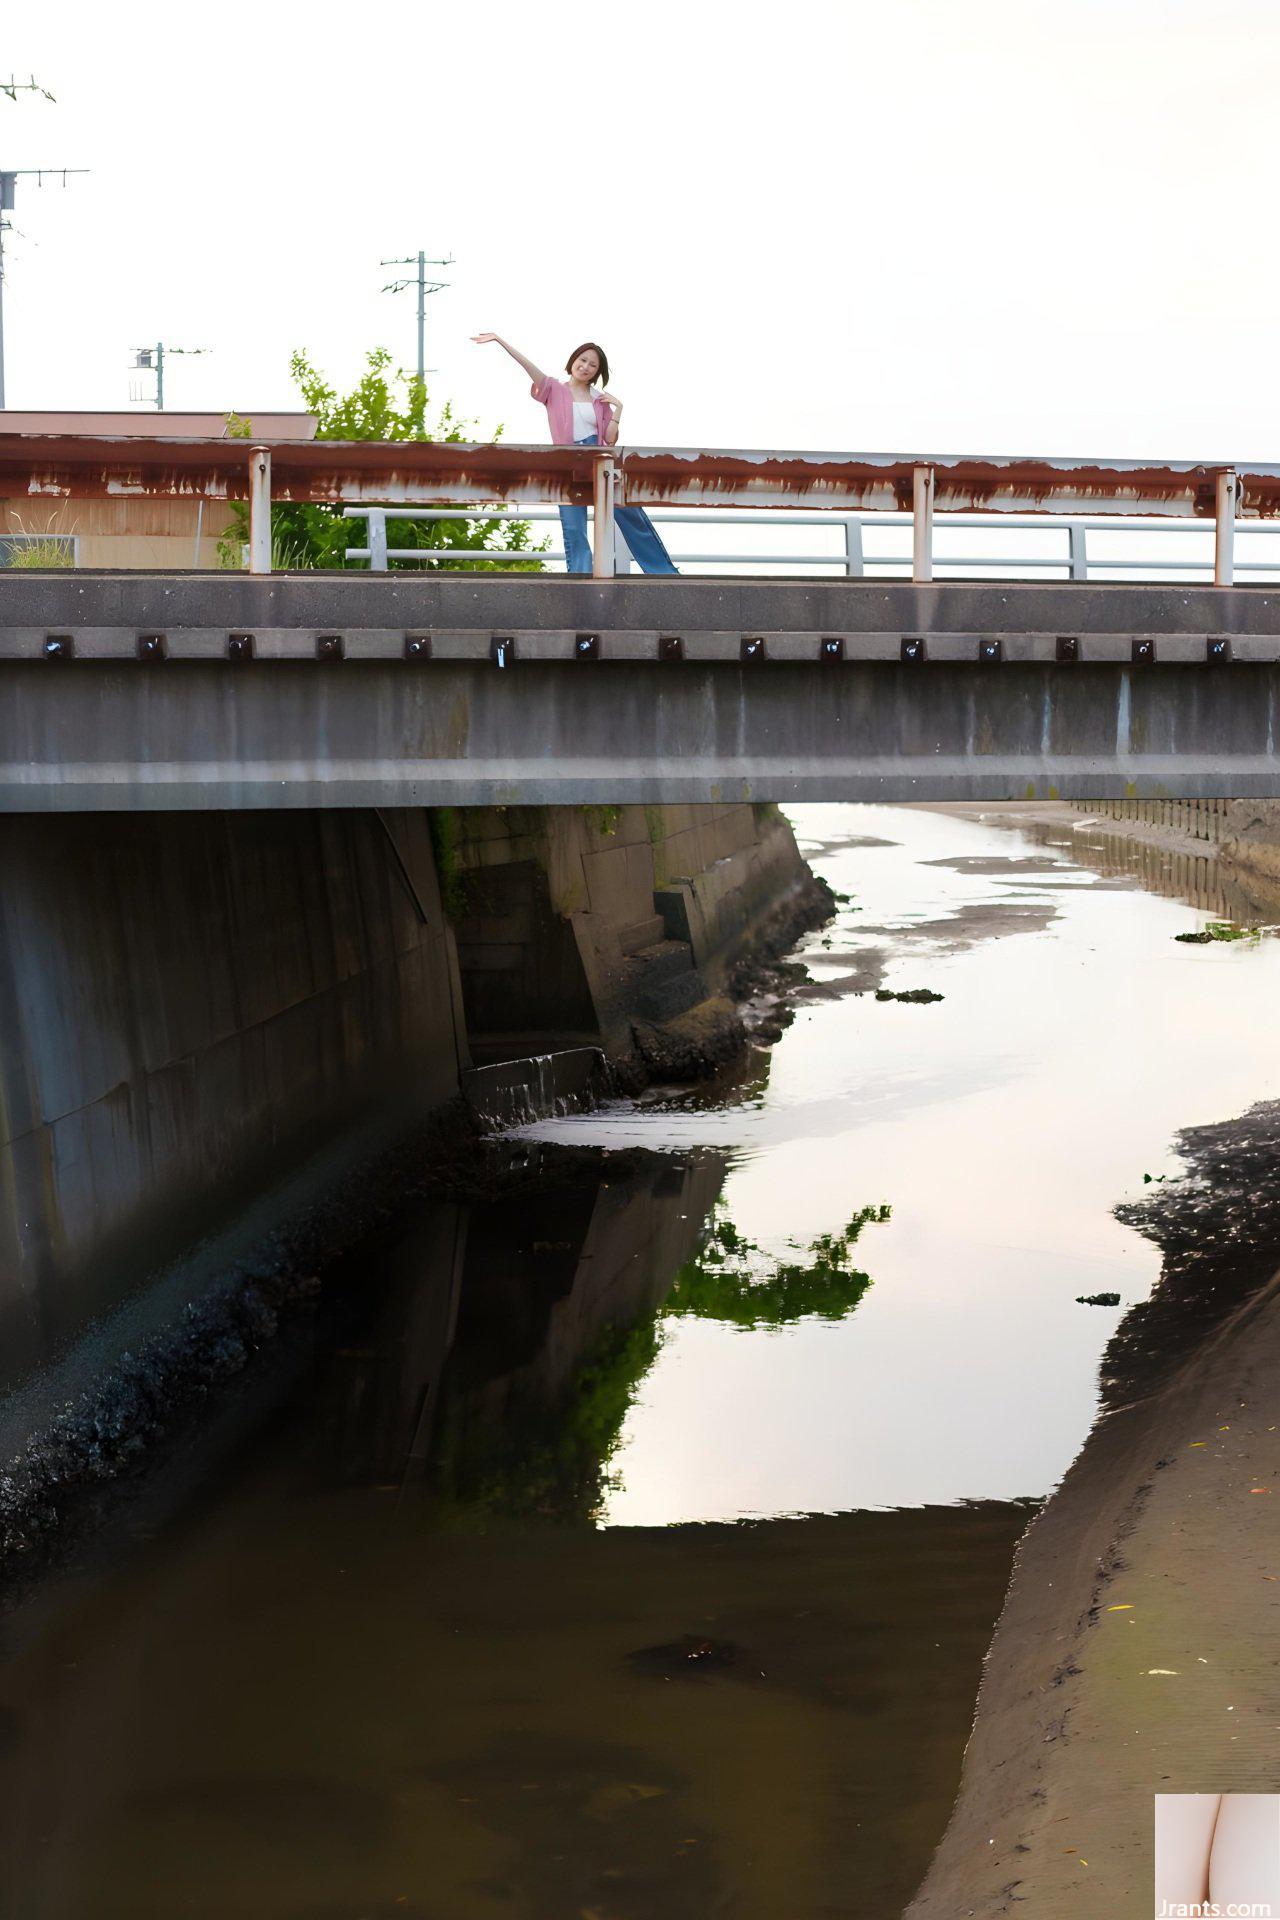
point(201, 692)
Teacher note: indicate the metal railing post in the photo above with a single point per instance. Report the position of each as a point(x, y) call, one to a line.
point(602, 532)
point(260, 510)
point(377, 524)
point(853, 558)
point(922, 523)
point(1224, 544)
point(1078, 536)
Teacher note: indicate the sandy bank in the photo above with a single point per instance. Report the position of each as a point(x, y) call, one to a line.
point(1139, 1647)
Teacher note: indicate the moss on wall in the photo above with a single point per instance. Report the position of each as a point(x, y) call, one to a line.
point(454, 882)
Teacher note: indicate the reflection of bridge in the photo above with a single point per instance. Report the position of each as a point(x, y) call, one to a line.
point(215, 691)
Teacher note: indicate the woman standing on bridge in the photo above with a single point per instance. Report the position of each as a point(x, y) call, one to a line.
point(583, 415)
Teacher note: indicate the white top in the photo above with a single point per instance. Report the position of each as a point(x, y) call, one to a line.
point(584, 419)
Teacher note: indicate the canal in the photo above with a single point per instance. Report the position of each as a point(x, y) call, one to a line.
point(625, 1543)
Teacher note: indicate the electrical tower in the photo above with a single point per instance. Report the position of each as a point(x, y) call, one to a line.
point(151, 360)
point(424, 286)
point(8, 191)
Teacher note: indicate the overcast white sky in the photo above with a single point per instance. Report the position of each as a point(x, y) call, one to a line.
point(899, 225)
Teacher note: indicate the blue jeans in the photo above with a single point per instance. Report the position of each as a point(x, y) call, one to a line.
point(634, 524)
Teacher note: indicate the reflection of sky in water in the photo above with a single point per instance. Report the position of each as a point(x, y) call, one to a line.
point(1002, 1125)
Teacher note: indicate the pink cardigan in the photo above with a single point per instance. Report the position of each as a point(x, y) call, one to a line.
point(557, 397)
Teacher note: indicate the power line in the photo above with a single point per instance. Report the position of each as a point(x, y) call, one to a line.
point(13, 88)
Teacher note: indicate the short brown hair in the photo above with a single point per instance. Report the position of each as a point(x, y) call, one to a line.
point(589, 346)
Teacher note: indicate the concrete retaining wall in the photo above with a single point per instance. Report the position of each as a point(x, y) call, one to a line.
point(580, 921)
point(719, 874)
point(1244, 833)
point(209, 1020)
point(190, 1006)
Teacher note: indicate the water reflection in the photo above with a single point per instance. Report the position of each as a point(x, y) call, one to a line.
point(1002, 1124)
point(1220, 891)
point(385, 1664)
point(729, 1280)
point(401, 1633)
point(557, 1327)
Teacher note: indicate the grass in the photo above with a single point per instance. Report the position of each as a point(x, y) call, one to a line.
point(1218, 930)
point(42, 553)
point(40, 547)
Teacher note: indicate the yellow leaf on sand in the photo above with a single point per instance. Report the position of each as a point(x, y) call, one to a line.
point(1121, 1606)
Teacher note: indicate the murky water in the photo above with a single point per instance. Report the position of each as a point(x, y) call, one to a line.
point(628, 1547)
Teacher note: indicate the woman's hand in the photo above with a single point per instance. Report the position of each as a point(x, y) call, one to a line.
point(536, 374)
point(611, 400)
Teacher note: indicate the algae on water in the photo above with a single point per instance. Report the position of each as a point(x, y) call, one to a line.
point(1218, 930)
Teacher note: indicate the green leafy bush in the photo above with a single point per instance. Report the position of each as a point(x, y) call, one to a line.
point(383, 405)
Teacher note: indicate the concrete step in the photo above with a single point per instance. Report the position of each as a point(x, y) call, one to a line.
point(664, 981)
point(512, 1092)
point(664, 999)
point(486, 1046)
point(660, 961)
point(644, 933)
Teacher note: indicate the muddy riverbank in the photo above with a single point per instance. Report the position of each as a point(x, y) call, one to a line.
point(1137, 1651)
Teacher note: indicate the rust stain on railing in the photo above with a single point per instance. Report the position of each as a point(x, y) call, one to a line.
point(431, 473)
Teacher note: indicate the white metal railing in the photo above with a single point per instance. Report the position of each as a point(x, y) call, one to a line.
point(855, 559)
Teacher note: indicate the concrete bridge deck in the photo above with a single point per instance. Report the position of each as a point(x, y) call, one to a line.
point(150, 691)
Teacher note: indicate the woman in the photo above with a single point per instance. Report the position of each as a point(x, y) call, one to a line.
point(583, 416)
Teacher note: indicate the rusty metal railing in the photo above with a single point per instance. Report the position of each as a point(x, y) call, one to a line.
point(427, 473)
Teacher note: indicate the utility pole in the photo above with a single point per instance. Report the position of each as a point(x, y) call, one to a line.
point(8, 191)
point(151, 360)
point(424, 286)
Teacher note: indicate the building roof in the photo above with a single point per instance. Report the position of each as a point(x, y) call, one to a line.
point(154, 425)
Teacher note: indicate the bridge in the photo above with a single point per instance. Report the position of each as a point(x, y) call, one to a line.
point(237, 953)
point(145, 692)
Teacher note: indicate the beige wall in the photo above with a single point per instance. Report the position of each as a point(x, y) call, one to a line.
point(126, 533)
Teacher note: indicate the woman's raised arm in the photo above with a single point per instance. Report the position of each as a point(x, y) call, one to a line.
point(535, 373)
